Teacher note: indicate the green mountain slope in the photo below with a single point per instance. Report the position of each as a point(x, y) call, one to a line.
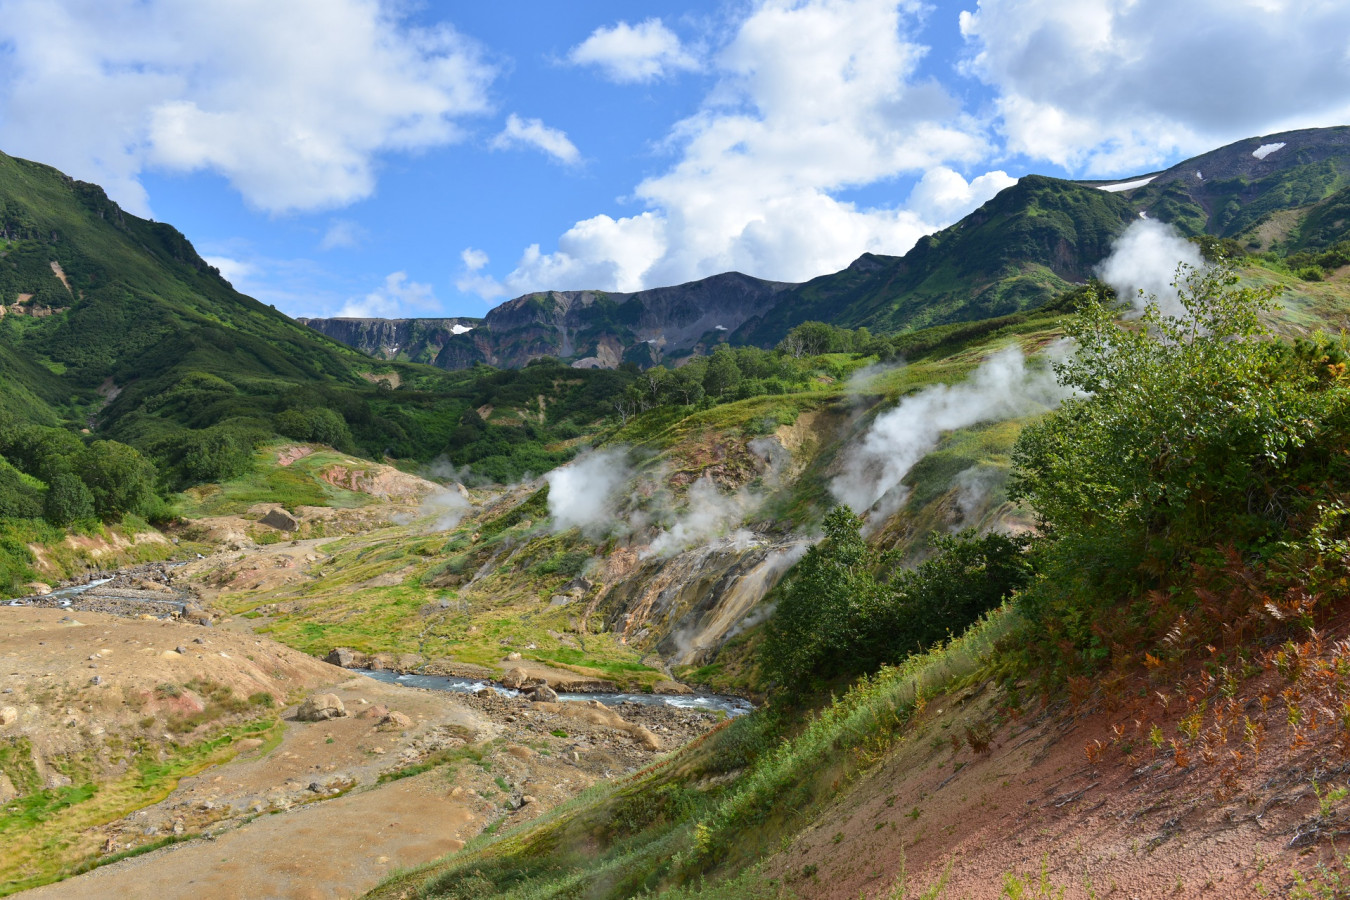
point(1229, 191)
point(1017, 251)
point(114, 324)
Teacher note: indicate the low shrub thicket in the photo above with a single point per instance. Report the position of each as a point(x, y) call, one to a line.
point(1199, 446)
point(836, 619)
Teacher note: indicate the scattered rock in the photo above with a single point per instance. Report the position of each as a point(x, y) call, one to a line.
point(526, 799)
point(281, 520)
point(196, 615)
point(8, 716)
point(180, 650)
point(321, 707)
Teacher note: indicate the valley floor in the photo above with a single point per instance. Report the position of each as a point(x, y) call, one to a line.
point(306, 809)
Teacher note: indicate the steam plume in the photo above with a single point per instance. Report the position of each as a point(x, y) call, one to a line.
point(1145, 258)
point(582, 493)
point(710, 514)
point(448, 505)
point(1001, 388)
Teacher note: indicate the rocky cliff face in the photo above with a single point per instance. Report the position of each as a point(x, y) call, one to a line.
point(592, 328)
point(416, 340)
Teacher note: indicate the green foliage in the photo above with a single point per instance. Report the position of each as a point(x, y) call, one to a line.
point(320, 425)
point(1191, 432)
point(68, 500)
point(836, 619)
point(18, 498)
point(723, 375)
point(119, 478)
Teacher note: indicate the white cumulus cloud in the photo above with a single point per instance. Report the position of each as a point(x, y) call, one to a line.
point(534, 133)
point(634, 53)
point(1120, 86)
point(813, 97)
point(396, 298)
point(292, 102)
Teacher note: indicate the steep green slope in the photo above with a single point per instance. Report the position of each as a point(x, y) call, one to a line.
point(1016, 252)
point(1231, 190)
point(116, 322)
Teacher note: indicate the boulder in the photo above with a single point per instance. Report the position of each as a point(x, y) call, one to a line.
point(515, 678)
point(542, 693)
point(395, 721)
point(281, 520)
point(347, 658)
point(378, 711)
point(321, 707)
point(196, 615)
point(8, 716)
point(38, 588)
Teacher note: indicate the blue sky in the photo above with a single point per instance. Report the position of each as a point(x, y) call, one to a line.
point(373, 157)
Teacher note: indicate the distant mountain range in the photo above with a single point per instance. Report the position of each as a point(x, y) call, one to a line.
point(1027, 244)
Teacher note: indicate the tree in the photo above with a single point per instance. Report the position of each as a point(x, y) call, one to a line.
point(836, 619)
point(41, 451)
point(722, 375)
point(1176, 415)
point(67, 501)
point(213, 455)
point(120, 480)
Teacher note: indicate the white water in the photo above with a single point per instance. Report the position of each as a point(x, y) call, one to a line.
point(732, 706)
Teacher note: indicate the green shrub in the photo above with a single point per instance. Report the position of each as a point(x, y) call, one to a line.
point(67, 501)
point(119, 478)
point(18, 498)
point(1190, 433)
point(835, 619)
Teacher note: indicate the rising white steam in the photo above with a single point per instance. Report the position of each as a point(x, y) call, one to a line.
point(710, 514)
point(1001, 388)
point(582, 494)
point(448, 505)
point(1145, 258)
point(973, 488)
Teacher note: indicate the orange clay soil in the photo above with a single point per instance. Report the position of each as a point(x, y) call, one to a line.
point(1226, 798)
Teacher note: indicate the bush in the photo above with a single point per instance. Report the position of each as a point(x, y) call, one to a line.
point(320, 425)
point(217, 454)
point(67, 501)
point(835, 619)
point(120, 480)
point(18, 498)
point(1191, 432)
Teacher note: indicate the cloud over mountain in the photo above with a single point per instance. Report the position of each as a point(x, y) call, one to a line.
point(290, 102)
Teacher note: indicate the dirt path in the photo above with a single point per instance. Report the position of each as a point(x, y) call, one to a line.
point(315, 851)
